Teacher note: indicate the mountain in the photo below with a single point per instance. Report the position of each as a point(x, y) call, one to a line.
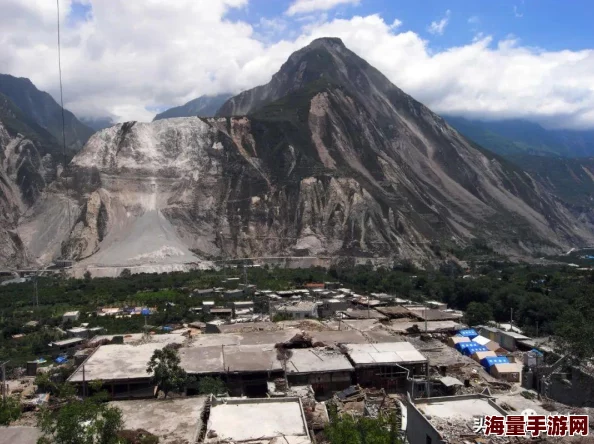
point(328, 160)
point(29, 159)
point(203, 106)
point(515, 136)
point(98, 123)
point(41, 108)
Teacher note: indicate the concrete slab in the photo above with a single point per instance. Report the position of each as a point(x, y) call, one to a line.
point(338, 337)
point(172, 420)
point(202, 360)
point(317, 360)
point(251, 358)
point(384, 353)
point(117, 362)
point(19, 435)
point(459, 408)
point(257, 420)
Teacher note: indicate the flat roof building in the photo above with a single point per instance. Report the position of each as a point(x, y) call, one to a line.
point(173, 421)
point(447, 419)
point(385, 365)
point(257, 421)
point(325, 370)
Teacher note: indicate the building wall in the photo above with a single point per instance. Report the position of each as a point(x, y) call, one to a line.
point(418, 429)
point(579, 391)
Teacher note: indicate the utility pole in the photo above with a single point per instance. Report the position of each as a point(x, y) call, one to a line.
point(36, 291)
point(3, 365)
point(84, 387)
point(425, 316)
point(511, 320)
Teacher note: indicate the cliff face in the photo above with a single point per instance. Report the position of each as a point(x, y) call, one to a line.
point(330, 160)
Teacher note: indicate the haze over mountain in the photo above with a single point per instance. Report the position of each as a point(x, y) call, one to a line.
point(512, 137)
point(203, 106)
point(97, 123)
point(329, 159)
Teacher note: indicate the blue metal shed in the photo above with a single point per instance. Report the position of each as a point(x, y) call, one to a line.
point(469, 333)
point(490, 361)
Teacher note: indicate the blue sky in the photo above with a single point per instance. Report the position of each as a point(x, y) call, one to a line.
point(548, 24)
point(488, 59)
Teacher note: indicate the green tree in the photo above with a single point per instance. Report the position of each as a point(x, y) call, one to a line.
point(166, 371)
point(346, 429)
point(478, 313)
point(208, 386)
point(10, 410)
point(126, 273)
point(81, 422)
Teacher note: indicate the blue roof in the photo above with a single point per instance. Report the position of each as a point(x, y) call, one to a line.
point(535, 351)
point(490, 361)
point(61, 360)
point(469, 333)
point(470, 350)
point(145, 311)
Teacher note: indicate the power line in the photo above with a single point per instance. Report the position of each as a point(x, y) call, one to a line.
point(63, 114)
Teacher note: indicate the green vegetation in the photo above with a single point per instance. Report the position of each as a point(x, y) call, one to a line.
point(209, 385)
point(166, 372)
point(81, 422)
point(10, 410)
point(552, 299)
point(346, 429)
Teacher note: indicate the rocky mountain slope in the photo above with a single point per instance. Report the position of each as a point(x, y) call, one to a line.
point(203, 106)
point(42, 109)
point(29, 160)
point(330, 159)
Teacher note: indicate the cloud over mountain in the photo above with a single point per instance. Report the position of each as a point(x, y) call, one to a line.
point(129, 58)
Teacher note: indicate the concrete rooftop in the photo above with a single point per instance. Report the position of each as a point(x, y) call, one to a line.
point(19, 435)
point(174, 421)
point(257, 420)
point(117, 362)
point(384, 353)
point(311, 360)
point(457, 408)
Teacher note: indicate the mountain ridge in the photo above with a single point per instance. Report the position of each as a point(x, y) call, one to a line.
point(44, 110)
point(203, 106)
point(330, 159)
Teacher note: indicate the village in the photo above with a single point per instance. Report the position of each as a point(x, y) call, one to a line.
point(284, 357)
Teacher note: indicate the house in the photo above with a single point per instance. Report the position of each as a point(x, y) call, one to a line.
point(330, 306)
point(386, 365)
point(325, 370)
point(207, 306)
point(71, 316)
point(436, 305)
point(221, 312)
point(298, 310)
point(78, 332)
point(478, 356)
point(455, 340)
point(506, 372)
point(238, 293)
point(66, 346)
point(203, 292)
point(426, 418)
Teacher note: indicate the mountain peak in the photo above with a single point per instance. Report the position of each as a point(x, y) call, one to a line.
point(332, 42)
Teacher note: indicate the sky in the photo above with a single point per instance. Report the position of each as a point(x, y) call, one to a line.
point(128, 59)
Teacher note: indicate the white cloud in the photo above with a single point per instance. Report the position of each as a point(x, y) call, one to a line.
point(439, 27)
point(306, 6)
point(517, 12)
point(474, 20)
point(116, 64)
point(395, 24)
